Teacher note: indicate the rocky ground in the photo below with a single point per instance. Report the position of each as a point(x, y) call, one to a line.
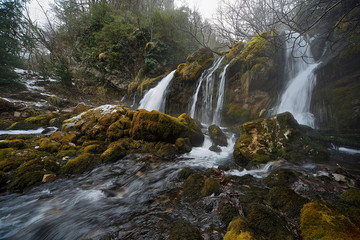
point(304, 196)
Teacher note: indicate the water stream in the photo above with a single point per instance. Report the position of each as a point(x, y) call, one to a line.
point(300, 68)
point(155, 98)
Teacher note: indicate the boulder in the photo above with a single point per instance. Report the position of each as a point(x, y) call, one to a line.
point(217, 136)
point(273, 138)
point(48, 178)
point(6, 106)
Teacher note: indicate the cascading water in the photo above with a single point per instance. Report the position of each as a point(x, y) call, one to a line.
point(297, 96)
point(220, 97)
point(155, 98)
point(206, 82)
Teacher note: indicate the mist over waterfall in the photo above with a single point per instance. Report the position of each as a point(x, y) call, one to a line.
point(155, 98)
point(300, 68)
point(205, 111)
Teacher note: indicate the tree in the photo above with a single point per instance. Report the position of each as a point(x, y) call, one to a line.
point(10, 38)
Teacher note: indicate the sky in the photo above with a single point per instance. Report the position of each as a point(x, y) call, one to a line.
point(207, 8)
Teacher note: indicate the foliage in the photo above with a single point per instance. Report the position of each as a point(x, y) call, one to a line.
point(10, 38)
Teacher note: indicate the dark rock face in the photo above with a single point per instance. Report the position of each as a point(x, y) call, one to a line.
point(273, 138)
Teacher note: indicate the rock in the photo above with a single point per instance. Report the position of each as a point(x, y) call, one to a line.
point(211, 186)
point(84, 162)
point(48, 178)
point(217, 136)
point(215, 148)
point(274, 138)
point(22, 126)
point(156, 126)
point(6, 106)
point(320, 221)
point(184, 230)
point(192, 187)
point(17, 114)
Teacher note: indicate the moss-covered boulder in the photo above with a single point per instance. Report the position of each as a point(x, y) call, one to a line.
point(273, 138)
point(184, 83)
point(286, 200)
point(282, 177)
point(41, 120)
point(193, 186)
point(156, 126)
point(237, 231)
point(320, 221)
point(15, 143)
point(82, 163)
point(211, 186)
point(217, 136)
point(184, 230)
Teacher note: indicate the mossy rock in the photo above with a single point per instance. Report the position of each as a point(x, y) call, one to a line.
point(195, 64)
point(183, 145)
point(119, 129)
point(282, 177)
point(273, 138)
point(63, 137)
point(227, 213)
point(50, 164)
point(254, 195)
point(263, 222)
point(3, 180)
point(320, 221)
point(166, 150)
point(184, 230)
point(84, 162)
point(6, 106)
point(217, 136)
point(155, 126)
point(27, 180)
point(237, 231)
point(41, 120)
point(286, 200)
point(94, 149)
point(4, 124)
point(16, 143)
point(185, 173)
point(211, 186)
point(193, 186)
point(48, 145)
point(352, 196)
point(22, 126)
point(235, 50)
point(114, 152)
point(67, 153)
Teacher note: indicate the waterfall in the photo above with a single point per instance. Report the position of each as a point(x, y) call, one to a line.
point(206, 82)
point(297, 95)
point(220, 97)
point(155, 98)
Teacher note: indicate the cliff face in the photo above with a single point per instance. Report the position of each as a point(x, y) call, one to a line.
point(254, 80)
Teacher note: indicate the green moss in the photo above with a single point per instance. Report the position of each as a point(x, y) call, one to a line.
point(155, 126)
point(4, 153)
point(352, 196)
point(67, 153)
point(48, 145)
point(166, 150)
point(4, 123)
point(63, 137)
point(183, 230)
point(286, 200)
point(95, 149)
point(183, 145)
point(236, 231)
point(217, 136)
point(3, 180)
point(114, 152)
point(41, 120)
point(263, 222)
point(227, 213)
point(16, 143)
point(82, 163)
point(192, 187)
point(119, 129)
point(319, 221)
point(27, 180)
point(235, 113)
point(211, 186)
point(51, 165)
point(235, 50)
point(185, 173)
point(282, 177)
point(22, 126)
